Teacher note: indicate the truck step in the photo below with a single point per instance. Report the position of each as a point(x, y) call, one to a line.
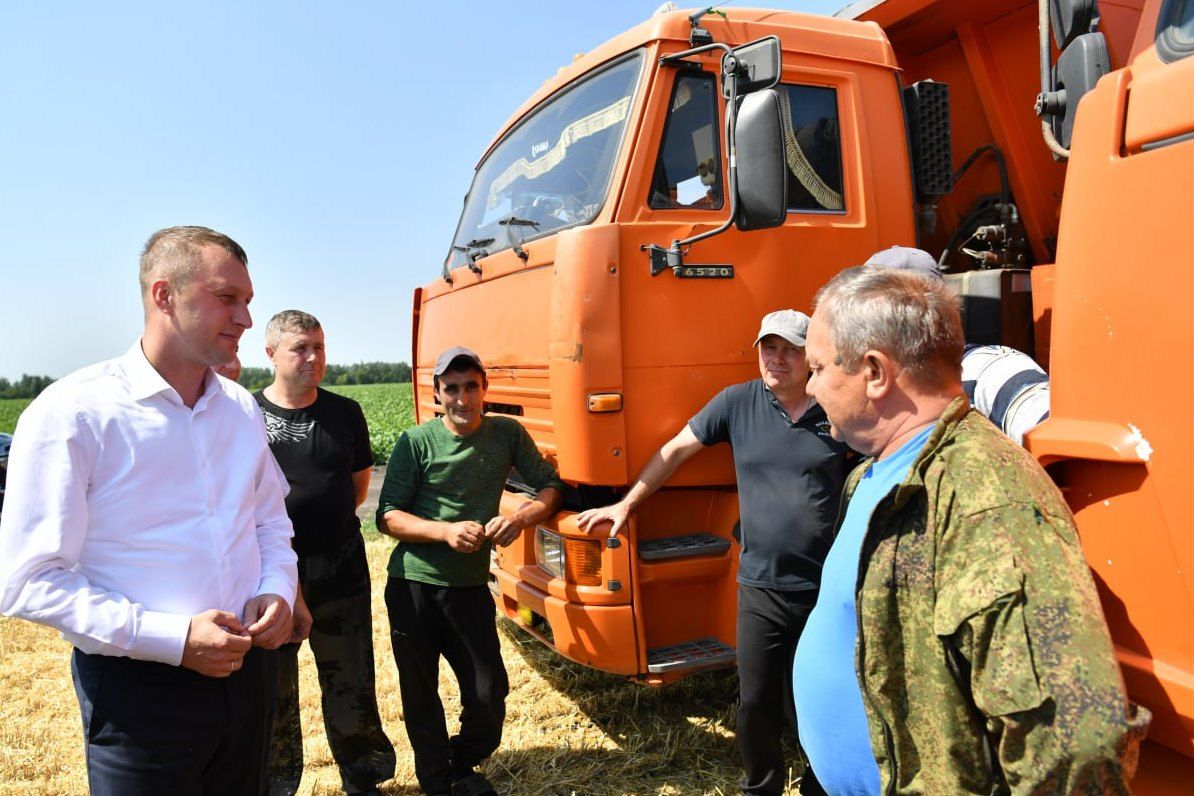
point(694, 544)
point(703, 653)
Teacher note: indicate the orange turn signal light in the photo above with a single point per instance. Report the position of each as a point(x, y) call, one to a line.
point(605, 402)
point(582, 561)
point(575, 560)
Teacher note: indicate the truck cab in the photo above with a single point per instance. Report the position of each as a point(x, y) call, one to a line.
point(601, 359)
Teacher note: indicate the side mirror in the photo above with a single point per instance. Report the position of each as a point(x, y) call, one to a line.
point(1080, 66)
point(758, 167)
point(1069, 19)
point(756, 66)
point(762, 169)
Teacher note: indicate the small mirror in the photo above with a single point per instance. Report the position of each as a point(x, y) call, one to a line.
point(758, 66)
point(1078, 69)
point(762, 175)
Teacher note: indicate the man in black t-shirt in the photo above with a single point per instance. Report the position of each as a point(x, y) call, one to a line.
point(790, 473)
point(322, 444)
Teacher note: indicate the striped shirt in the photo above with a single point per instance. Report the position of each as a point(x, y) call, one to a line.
point(1007, 386)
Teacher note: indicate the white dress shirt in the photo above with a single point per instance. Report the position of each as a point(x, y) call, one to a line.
point(128, 512)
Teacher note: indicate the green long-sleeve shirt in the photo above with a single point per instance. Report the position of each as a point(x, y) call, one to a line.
point(982, 654)
point(436, 475)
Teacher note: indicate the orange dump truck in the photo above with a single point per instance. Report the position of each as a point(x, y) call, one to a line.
point(626, 230)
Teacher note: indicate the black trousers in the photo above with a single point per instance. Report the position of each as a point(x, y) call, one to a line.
point(151, 728)
point(336, 587)
point(769, 625)
point(458, 623)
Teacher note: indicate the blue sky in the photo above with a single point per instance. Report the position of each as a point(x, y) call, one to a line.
point(334, 141)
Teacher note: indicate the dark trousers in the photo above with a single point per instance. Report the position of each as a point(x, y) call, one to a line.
point(336, 587)
point(769, 625)
point(458, 623)
point(151, 728)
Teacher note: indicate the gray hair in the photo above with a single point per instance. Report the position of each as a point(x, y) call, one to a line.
point(288, 321)
point(173, 254)
point(908, 316)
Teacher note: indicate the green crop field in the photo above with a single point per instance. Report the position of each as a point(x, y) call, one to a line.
point(10, 410)
point(389, 410)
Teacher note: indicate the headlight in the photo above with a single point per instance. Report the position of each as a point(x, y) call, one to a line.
point(574, 560)
point(549, 552)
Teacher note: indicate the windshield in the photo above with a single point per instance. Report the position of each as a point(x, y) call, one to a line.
point(552, 170)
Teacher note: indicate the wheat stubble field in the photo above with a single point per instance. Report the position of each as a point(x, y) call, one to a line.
point(569, 730)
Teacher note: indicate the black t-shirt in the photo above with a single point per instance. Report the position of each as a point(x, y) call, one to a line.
point(790, 477)
point(319, 447)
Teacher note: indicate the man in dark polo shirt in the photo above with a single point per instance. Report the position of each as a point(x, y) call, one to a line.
point(321, 443)
point(440, 501)
point(790, 473)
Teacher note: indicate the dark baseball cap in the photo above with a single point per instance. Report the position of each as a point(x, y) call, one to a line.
point(456, 352)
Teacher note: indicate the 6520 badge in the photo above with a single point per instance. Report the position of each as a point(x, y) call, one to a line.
point(705, 272)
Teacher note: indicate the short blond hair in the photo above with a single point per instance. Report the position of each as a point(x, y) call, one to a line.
point(173, 254)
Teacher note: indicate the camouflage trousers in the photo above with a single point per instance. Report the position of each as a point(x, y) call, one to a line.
point(336, 588)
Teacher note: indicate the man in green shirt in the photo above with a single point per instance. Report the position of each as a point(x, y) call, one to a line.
point(440, 501)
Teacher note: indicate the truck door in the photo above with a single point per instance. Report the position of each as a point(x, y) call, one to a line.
point(688, 335)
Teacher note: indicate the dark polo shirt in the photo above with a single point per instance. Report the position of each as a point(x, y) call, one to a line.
point(790, 477)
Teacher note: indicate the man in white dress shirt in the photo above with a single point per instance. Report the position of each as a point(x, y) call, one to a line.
point(145, 521)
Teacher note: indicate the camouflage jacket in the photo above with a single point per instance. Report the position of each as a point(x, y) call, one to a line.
point(983, 657)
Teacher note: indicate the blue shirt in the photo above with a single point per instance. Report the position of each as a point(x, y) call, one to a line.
point(830, 717)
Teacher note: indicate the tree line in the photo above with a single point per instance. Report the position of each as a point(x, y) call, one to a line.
point(254, 379)
point(250, 378)
point(25, 387)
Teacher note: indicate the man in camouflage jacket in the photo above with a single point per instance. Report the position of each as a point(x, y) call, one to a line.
point(982, 656)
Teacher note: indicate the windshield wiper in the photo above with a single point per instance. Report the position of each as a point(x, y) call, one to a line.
point(474, 250)
point(474, 247)
point(516, 245)
point(515, 221)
